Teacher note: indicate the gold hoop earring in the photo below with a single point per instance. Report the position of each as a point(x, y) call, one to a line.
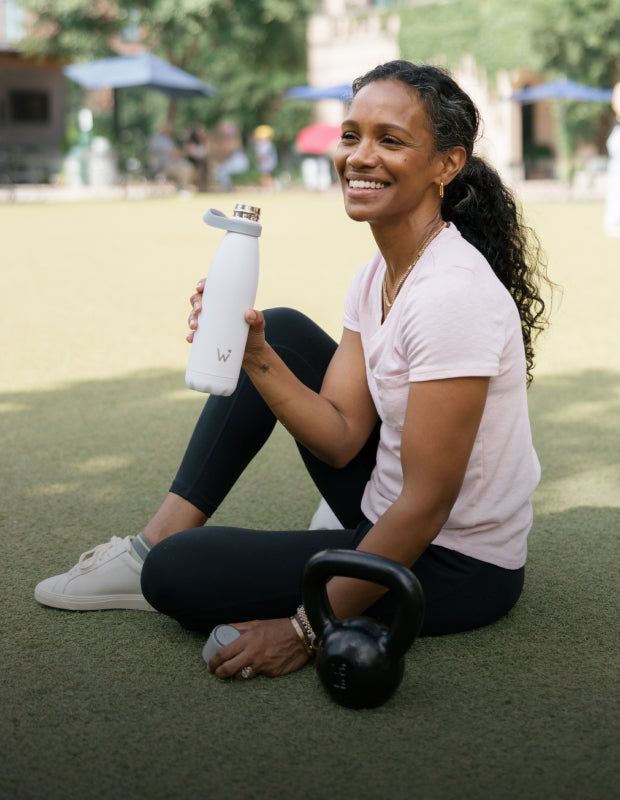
point(441, 190)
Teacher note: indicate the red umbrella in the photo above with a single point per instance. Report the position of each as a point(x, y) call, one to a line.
point(318, 138)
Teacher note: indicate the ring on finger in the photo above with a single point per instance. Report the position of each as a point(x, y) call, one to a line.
point(247, 673)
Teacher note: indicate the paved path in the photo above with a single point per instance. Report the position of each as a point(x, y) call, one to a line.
point(44, 193)
point(30, 193)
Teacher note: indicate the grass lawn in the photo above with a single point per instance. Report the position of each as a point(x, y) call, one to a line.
point(95, 416)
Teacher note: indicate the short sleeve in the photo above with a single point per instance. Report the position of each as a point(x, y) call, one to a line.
point(351, 314)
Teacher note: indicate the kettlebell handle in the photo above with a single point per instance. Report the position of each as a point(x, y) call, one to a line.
point(401, 581)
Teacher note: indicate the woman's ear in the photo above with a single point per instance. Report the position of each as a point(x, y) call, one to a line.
point(453, 163)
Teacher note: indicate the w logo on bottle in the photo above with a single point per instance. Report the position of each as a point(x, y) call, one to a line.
point(223, 356)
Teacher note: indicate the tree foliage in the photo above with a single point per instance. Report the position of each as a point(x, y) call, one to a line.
point(496, 32)
point(578, 39)
point(251, 51)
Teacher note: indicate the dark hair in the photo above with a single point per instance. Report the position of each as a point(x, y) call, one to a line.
point(477, 201)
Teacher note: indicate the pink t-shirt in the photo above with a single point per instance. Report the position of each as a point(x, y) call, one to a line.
point(452, 318)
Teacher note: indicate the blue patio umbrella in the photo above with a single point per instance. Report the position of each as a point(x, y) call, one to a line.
point(145, 70)
point(562, 89)
point(340, 91)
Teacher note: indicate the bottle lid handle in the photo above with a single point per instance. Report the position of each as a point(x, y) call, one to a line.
point(217, 219)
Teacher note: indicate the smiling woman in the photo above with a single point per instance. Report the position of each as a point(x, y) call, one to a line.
point(414, 426)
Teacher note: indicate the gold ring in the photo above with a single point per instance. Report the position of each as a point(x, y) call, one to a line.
point(247, 673)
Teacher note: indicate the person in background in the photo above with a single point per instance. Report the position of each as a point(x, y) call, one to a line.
point(166, 159)
point(231, 157)
point(197, 151)
point(266, 155)
point(612, 197)
point(414, 427)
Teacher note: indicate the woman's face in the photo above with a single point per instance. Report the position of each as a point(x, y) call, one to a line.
point(385, 157)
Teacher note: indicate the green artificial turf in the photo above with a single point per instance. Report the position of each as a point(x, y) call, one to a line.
point(95, 416)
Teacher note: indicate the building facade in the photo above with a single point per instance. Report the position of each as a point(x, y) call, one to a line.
point(32, 106)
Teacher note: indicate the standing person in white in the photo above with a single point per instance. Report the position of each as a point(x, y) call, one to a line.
point(612, 196)
point(414, 426)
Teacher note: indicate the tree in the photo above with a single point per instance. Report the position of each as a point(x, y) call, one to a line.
point(578, 39)
point(251, 50)
point(495, 32)
point(69, 30)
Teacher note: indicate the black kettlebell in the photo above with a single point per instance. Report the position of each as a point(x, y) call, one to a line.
point(360, 661)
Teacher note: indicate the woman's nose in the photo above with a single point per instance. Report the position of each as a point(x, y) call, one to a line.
point(362, 154)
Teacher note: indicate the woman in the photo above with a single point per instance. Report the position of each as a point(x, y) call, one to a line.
point(414, 427)
point(265, 154)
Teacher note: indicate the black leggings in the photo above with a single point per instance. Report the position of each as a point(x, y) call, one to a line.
point(206, 576)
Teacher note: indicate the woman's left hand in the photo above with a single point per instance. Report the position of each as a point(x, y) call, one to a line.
point(196, 302)
point(271, 647)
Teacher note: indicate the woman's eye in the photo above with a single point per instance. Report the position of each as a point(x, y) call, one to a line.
point(348, 136)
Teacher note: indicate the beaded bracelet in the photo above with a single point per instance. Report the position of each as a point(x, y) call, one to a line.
point(307, 627)
point(302, 636)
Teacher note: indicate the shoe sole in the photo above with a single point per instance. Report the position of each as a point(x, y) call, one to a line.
point(133, 602)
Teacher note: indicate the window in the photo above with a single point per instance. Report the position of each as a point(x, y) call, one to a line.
point(29, 106)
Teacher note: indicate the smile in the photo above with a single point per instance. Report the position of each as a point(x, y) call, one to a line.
point(367, 185)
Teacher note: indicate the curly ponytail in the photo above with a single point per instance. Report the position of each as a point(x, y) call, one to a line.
point(485, 212)
point(477, 201)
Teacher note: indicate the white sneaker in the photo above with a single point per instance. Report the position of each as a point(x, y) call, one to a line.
point(324, 518)
point(107, 576)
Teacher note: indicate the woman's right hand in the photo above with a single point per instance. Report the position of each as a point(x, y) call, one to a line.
point(255, 345)
point(255, 319)
point(196, 301)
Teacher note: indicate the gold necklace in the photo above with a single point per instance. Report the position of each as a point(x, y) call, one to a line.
point(419, 254)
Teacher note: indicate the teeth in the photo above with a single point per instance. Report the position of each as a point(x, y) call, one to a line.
point(366, 185)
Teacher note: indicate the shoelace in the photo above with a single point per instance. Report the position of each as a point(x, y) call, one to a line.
point(91, 557)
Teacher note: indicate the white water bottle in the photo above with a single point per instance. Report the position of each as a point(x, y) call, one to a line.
point(230, 290)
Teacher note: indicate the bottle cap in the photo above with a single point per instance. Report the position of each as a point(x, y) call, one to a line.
point(247, 212)
point(220, 635)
